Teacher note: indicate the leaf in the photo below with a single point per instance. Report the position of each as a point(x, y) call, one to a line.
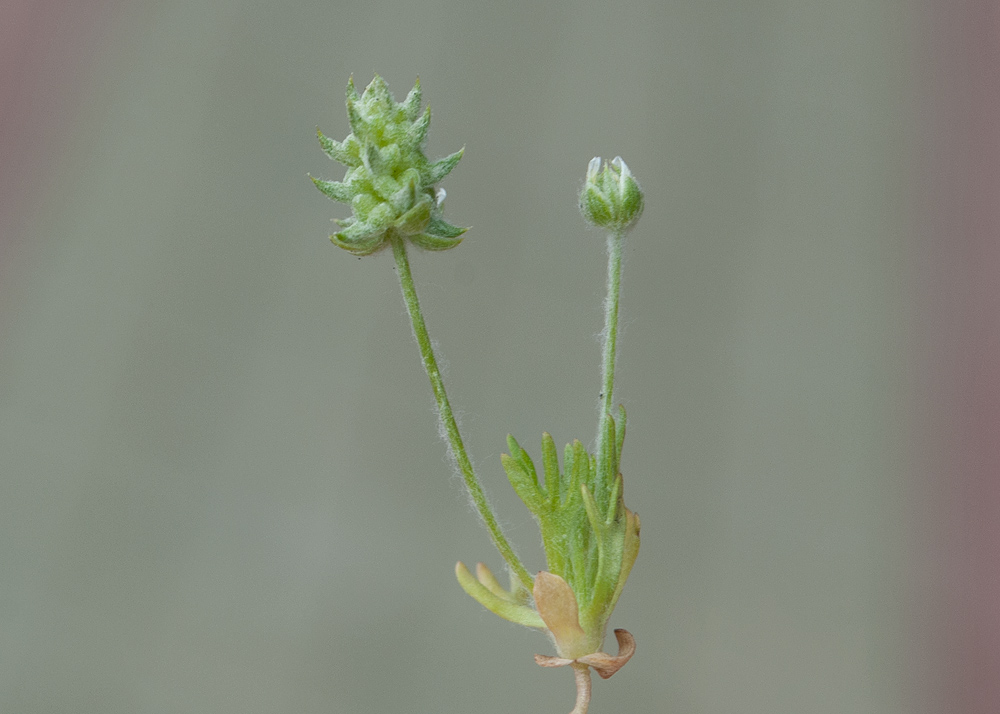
point(488, 580)
point(614, 499)
point(550, 463)
point(522, 456)
point(520, 614)
point(525, 485)
point(557, 606)
point(630, 551)
point(596, 522)
point(581, 469)
point(620, 433)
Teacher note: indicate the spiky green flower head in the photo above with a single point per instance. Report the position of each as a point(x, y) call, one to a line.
point(389, 183)
point(611, 197)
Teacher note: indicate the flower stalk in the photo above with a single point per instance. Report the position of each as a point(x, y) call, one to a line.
point(446, 415)
point(609, 347)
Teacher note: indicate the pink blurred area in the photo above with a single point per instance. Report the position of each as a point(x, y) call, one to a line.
point(959, 312)
point(47, 53)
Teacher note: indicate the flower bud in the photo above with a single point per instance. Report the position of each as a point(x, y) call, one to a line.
point(611, 197)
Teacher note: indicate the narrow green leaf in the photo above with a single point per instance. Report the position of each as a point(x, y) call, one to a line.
point(578, 551)
point(565, 481)
point(550, 464)
point(488, 580)
point(525, 485)
point(507, 610)
point(630, 550)
point(580, 469)
point(620, 433)
point(522, 457)
point(518, 591)
point(608, 468)
point(614, 500)
point(596, 522)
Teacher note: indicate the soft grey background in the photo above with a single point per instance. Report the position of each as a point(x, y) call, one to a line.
point(223, 489)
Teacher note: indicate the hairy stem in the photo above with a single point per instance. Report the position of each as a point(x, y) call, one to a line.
point(582, 674)
point(610, 342)
point(448, 418)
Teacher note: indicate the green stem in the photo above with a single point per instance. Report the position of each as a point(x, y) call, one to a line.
point(448, 418)
point(610, 342)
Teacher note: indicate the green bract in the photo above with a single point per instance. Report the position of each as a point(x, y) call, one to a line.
point(389, 183)
point(611, 197)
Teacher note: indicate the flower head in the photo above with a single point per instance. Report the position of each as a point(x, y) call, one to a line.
point(389, 183)
point(611, 197)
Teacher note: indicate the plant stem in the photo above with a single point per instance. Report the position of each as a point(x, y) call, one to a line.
point(582, 674)
point(610, 342)
point(448, 418)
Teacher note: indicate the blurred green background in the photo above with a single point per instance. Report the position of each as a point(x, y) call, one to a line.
point(223, 487)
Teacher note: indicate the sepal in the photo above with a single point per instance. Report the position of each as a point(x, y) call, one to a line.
point(359, 239)
point(439, 169)
point(336, 150)
point(333, 189)
point(411, 105)
point(440, 228)
point(417, 133)
point(611, 197)
point(428, 241)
